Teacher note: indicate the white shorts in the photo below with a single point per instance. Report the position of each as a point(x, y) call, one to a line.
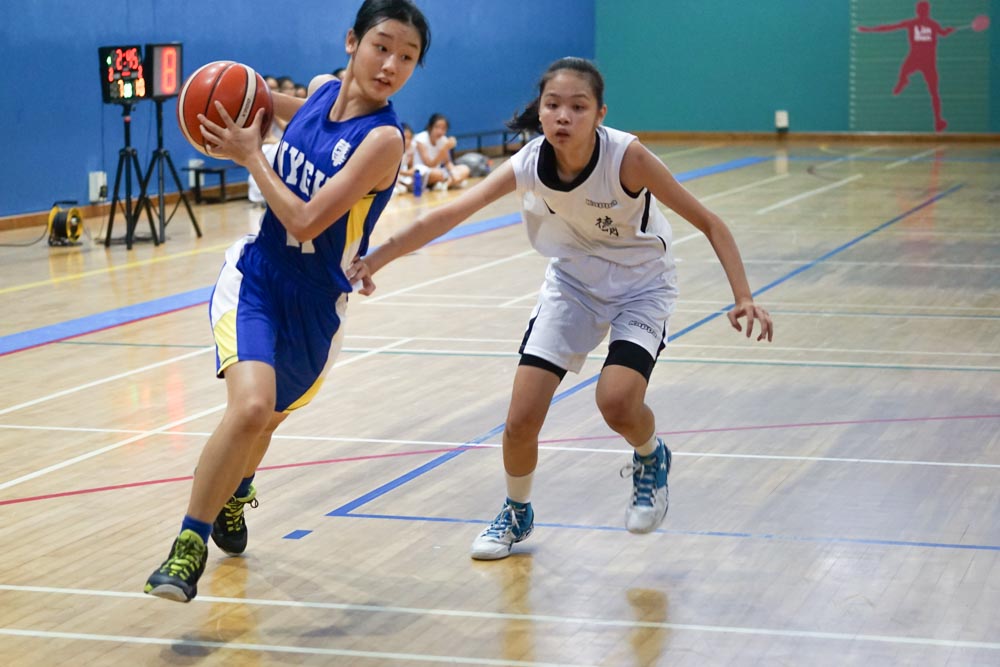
point(569, 320)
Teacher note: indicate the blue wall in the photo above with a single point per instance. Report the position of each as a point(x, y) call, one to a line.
point(484, 61)
point(723, 65)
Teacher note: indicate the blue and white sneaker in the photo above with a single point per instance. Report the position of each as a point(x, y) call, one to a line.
point(514, 523)
point(650, 498)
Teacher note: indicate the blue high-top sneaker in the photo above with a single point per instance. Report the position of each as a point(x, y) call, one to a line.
point(514, 523)
point(650, 499)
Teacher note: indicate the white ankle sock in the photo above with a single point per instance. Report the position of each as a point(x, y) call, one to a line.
point(519, 488)
point(649, 447)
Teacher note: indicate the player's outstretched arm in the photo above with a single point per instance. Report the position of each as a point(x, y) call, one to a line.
point(641, 169)
point(433, 224)
point(285, 106)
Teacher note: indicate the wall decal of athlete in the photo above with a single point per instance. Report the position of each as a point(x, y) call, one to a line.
point(922, 32)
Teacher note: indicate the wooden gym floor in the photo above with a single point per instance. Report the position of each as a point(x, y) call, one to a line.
point(835, 494)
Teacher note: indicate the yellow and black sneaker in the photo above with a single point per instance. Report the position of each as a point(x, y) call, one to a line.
point(177, 578)
point(229, 532)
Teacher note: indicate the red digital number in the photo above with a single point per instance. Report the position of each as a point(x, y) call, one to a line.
point(168, 71)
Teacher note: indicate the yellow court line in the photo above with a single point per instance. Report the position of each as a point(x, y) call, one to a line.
point(110, 269)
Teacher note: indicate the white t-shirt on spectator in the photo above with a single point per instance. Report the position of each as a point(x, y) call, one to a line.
point(424, 138)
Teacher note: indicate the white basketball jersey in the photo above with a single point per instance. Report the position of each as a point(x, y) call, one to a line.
point(592, 217)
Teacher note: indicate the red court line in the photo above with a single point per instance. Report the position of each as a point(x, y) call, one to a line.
point(764, 427)
point(555, 440)
point(169, 480)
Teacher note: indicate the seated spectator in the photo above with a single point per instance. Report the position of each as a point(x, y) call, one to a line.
point(432, 157)
point(286, 85)
point(404, 183)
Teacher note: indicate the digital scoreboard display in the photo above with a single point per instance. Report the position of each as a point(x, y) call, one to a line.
point(122, 74)
point(164, 71)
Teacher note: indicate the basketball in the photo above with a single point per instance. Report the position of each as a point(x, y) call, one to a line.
point(240, 89)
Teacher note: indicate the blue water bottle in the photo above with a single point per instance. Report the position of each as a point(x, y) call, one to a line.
point(418, 183)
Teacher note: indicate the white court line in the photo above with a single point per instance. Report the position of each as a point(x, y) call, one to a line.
point(839, 230)
point(510, 302)
point(830, 364)
point(97, 452)
point(715, 360)
point(850, 156)
point(810, 193)
point(434, 281)
point(881, 265)
point(270, 648)
point(514, 341)
point(693, 311)
point(625, 624)
point(452, 304)
point(838, 350)
point(110, 378)
point(876, 306)
point(911, 158)
point(743, 187)
point(690, 151)
point(586, 450)
point(451, 295)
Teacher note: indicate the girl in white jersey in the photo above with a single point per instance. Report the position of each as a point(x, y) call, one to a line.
point(589, 198)
point(280, 300)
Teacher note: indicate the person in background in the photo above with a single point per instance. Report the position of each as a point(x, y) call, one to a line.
point(405, 181)
point(432, 157)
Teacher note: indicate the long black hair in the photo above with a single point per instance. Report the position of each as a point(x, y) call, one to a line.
point(373, 12)
point(435, 117)
point(528, 119)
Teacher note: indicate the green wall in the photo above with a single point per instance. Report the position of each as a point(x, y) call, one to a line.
point(728, 65)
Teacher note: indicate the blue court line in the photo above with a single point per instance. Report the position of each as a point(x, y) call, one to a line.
point(297, 534)
point(839, 249)
point(707, 533)
point(92, 323)
point(474, 228)
point(399, 481)
point(721, 167)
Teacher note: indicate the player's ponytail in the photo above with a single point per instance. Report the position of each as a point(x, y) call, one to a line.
point(528, 120)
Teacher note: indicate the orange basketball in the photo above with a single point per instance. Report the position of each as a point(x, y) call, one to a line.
point(238, 87)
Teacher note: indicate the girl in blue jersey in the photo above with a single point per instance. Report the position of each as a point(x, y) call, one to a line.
point(589, 201)
point(279, 303)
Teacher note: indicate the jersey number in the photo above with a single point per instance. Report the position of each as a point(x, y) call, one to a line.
point(307, 248)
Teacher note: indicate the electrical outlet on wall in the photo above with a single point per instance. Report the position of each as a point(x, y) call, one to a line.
point(97, 186)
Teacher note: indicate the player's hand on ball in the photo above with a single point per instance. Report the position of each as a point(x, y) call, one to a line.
point(230, 140)
point(358, 272)
point(754, 314)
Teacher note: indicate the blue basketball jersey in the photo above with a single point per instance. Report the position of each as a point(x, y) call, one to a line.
point(313, 150)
